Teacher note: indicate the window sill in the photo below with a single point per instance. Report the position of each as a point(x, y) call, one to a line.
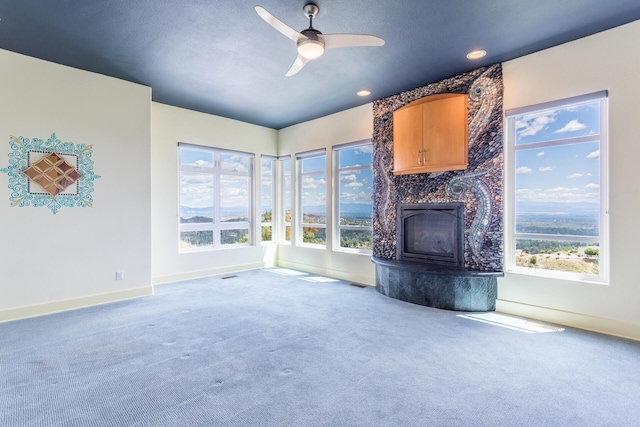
point(558, 275)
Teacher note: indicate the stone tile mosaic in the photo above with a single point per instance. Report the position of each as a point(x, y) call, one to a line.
point(480, 186)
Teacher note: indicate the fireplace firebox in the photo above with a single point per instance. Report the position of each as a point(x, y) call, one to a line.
point(431, 233)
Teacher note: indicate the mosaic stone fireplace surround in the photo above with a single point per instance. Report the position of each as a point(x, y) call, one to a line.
point(479, 187)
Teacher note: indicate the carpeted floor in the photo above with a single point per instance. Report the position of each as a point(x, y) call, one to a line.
point(274, 348)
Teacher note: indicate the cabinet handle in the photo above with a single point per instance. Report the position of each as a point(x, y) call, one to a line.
point(419, 157)
point(424, 156)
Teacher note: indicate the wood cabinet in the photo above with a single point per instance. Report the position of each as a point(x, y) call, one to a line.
point(431, 135)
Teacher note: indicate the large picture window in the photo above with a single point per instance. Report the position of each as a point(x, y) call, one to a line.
point(353, 178)
point(215, 197)
point(558, 188)
point(312, 191)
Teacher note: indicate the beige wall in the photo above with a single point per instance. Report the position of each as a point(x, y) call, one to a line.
point(171, 125)
point(40, 98)
point(608, 60)
point(347, 126)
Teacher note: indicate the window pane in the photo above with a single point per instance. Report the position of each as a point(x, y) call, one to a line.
point(267, 235)
point(356, 239)
point(314, 235)
point(572, 257)
point(354, 197)
point(560, 123)
point(234, 198)
point(231, 237)
point(558, 189)
point(235, 162)
point(266, 195)
point(313, 200)
point(196, 239)
point(355, 203)
point(286, 197)
point(196, 197)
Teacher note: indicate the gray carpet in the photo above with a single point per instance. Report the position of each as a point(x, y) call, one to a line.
point(267, 349)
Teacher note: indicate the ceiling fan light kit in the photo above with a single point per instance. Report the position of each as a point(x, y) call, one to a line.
point(311, 43)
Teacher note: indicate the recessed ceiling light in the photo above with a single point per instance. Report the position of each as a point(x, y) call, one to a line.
point(364, 93)
point(476, 54)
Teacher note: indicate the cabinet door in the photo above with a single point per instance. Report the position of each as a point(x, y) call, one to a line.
point(407, 138)
point(444, 124)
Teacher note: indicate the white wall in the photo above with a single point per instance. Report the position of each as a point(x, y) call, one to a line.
point(36, 276)
point(171, 125)
point(351, 125)
point(608, 60)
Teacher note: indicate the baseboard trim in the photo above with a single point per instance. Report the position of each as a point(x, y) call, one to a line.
point(172, 278)
point(576, 320)
point(72, 304)
point(338, 274)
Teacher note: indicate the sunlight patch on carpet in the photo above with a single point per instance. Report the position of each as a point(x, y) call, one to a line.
point(510, 322)
point(286, 272)
point(319, 279)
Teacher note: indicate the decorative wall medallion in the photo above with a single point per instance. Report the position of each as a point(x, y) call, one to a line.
point(50, 173)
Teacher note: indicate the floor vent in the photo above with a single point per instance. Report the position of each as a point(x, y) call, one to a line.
point(357, 285)
point(229, 277)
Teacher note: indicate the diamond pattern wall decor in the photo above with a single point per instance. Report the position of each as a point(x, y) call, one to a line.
point(50, 173)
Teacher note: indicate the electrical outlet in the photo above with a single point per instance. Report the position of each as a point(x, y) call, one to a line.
point(119, 275)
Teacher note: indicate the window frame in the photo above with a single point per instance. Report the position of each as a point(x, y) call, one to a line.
point(337, 227)
point(299, 219)
point(284, 203)
point(510, 184)
point(272, 196)
point(217, 172)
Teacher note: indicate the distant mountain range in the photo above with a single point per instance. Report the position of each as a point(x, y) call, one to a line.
point(555, 208)
point(348, 210)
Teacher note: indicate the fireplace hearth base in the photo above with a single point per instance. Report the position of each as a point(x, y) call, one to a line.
point(450, 289)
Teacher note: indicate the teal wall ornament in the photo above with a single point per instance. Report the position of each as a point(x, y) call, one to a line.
point(50, 173)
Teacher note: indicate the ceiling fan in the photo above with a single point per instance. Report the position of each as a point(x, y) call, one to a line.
point(311, 42)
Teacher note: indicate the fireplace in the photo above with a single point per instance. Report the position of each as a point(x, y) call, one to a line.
point(431, 233)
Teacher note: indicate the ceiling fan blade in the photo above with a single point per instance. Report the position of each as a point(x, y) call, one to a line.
point(297, 65)
point(350, 40)
point(278, 24)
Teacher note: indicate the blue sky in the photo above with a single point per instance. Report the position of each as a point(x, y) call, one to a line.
point(562, 173)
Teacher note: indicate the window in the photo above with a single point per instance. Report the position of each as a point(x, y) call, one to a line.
point(215, 197)
point(267, 171)
point(353, 199)
point(285, 199)
point(558, 188)
point(312, 191)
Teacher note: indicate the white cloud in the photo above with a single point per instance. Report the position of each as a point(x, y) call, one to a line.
point(348, 178)
point(524, 169)
point(201, 164)
point(354, 184)
point(592, 186)
point(593, 154)
point(572, 126)
point(557, 194)
point(540, 154)
point(545, 169)
point(575, 175)
point(310, 183)
point(365, 149)
point(531, 124)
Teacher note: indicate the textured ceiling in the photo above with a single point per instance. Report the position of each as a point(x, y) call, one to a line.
point(221, 58)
